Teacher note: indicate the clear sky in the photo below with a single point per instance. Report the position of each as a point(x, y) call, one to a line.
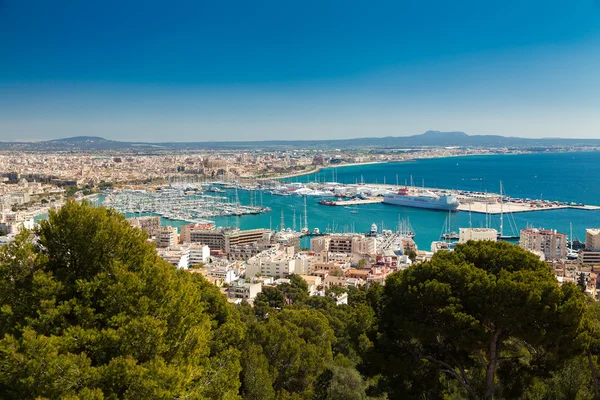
point(297, 69)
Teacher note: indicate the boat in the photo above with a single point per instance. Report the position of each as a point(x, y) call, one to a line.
point(422, 199)
point(571, 254)
point(405, 229)
point(451, 236)
point(511, 220)
point(327, 203)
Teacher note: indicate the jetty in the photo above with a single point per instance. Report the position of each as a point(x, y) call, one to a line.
point(354, 202)
point(481, 207)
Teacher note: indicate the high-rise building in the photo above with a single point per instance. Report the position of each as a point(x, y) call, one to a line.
point(149, 224)
point(223, 239)
point(166, 236)
point(592, 239)
point(549, 242)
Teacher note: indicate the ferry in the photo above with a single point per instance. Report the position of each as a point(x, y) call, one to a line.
point(422, 199)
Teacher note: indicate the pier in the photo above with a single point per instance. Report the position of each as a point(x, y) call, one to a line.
point(356, 202)
point(481, 207)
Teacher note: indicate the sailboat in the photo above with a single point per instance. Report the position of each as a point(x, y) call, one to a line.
point(447, 233)
point(405, 229)
point(571, 254)
point(501, 235)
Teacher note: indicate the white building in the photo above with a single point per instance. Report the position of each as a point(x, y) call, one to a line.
point(241, 290)
point(166, 236)
point(344, 244)
point(277, 261)
point(12, 223)
point(178, 256)
point(199, 253)
point(466, 234)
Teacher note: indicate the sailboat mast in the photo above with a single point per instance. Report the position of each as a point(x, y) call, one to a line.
point(501, 211)
point(571, 235)
point(470, 220)
point(305, 215)
point(294, 221)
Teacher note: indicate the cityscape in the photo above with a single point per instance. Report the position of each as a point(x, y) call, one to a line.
point(299, 201)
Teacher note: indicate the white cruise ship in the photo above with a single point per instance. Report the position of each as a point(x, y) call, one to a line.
point(422, 199)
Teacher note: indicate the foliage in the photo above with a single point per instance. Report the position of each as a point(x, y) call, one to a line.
point(412, 255)
point(460, 311)
point(88, 311)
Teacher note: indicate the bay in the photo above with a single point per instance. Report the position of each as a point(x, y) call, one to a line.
point(556, 176)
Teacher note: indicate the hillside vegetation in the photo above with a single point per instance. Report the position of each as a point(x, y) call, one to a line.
point(88, 311)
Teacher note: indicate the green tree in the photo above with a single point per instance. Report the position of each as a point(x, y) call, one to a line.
point(256, 381)
point(588, 342)
point(298, 346)
point(88, 310)
point(296, 291)
point(412, 255)
point(582, 282)
point(461, 310)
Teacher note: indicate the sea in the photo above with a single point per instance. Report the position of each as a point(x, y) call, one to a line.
point(568, 177)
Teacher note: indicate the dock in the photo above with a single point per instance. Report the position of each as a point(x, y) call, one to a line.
point(510, 207)
point(356, 202)
point(479, 206)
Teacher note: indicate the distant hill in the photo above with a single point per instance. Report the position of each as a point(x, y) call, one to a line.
point(427, 139)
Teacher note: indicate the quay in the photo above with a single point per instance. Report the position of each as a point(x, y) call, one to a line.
point(355, 202)
point(481, 207)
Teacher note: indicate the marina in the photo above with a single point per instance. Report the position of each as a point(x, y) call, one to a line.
point(357, 205)
point(177, 204)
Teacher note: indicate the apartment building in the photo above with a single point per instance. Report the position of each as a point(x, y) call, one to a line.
point(592, 239)
point(241, 290)
point(12, 223)
point(549, 242)
point(149, 224)
point(277, 261)
point(177, 256)
point(166, 236)
point(199, 253)
point(589, 257)
point(344, 244)
point(224, 239)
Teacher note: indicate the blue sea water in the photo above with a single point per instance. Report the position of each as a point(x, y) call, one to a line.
point(555, 176)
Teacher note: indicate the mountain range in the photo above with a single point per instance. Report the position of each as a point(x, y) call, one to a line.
point(427, 139)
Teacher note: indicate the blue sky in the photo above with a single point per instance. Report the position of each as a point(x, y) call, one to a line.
point(242, 70)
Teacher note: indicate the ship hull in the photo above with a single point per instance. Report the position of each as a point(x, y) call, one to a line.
point(416, 203)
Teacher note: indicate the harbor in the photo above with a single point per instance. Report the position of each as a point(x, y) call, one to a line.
point(513, 207)
point(191, 206)
point(357, 203)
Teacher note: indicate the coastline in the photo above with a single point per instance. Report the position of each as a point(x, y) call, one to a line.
point(320, 167)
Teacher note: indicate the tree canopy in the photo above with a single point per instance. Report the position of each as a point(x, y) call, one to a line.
point(464, 311)
point(88, 311)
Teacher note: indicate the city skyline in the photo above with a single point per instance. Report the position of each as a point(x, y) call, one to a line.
point(200, 72)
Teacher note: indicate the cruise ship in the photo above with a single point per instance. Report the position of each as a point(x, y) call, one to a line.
point(422, 199)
